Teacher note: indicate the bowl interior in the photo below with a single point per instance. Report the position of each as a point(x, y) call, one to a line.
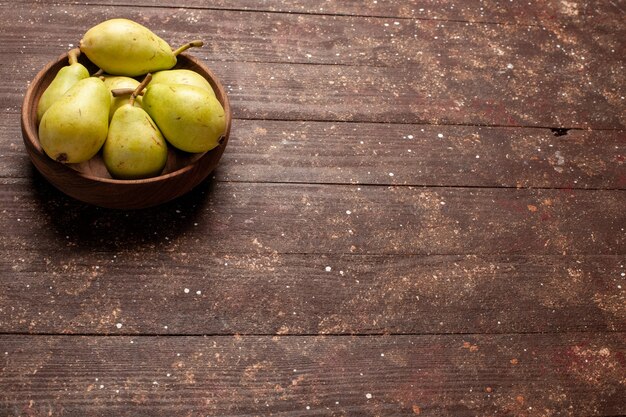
point(177, 162)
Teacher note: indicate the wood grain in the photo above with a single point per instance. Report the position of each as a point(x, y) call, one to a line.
point(488, 75)
point(460, 375)
point(199, 292)
point(368, 94)
point(345, 40)
point(364, 153)
point(324, 219)
point(531, 12)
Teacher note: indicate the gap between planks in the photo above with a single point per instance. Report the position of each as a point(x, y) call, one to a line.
point(423, 123)
point(304, 13)
point(14, 111)
point(365, 184)
point(374, 254)
point(303, 335)
point(13, 180)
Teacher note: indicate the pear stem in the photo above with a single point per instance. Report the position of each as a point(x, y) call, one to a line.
point(72, 55)
point(122, 91)
point(98, 73)
point(196, 43)
point(140, 88)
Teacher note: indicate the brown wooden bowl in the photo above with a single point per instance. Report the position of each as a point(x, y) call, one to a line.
point(90, 181)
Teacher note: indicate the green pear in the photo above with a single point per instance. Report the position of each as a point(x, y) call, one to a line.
point(135, 148)
point(113, 82)
point(181, 76)
point(63, 81)
point(124, 47)
point(75, 126)
point(190, 118)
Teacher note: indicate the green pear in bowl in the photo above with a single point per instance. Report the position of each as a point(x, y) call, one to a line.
point(190, 118)
point(135, 148)
point(75, 126)
point(124, 47)
point(181, 76)
point(114, 82)
point(63, 81)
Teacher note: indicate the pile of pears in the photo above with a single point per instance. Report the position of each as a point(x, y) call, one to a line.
point(132, 122)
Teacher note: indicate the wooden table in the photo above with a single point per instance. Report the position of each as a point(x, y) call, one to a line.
point(421, 211)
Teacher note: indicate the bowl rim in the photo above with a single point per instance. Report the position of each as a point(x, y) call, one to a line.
point(31, 134)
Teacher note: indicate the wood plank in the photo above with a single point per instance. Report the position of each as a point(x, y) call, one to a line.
point(364, 153)
point(294, 218)
point(460, 375)
point(364, 94)
point(14, 161)
point(530, 12)
point(339, 40)
point(454, 73)
point(163, 292)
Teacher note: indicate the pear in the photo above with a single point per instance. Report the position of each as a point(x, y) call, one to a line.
point(190, 118)
point(75, 126)
point(124, 47)
point(65, 78)
point(113, 82)
point(181, 76)
point(135, 148)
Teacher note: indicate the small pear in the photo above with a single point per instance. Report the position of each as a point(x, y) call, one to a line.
point(75, 126)
point(124, 47)
point(63, 81)
point(181, 76)
point(135, 148)
point(114, 82)
point(190, 118)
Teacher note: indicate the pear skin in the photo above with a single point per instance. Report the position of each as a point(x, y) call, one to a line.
point(75, 126)
point(135, 148)
point(113, 82)
point(63, 81)
point(181, 76)
point(124, 47)
point(190, 118)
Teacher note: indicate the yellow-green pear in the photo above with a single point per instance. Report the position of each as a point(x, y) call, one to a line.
point(181, 76)
point(63, 81)
point(190, 118)
point(124, 47)
point(114, 82)
point(75, 126)
point(135, 147)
